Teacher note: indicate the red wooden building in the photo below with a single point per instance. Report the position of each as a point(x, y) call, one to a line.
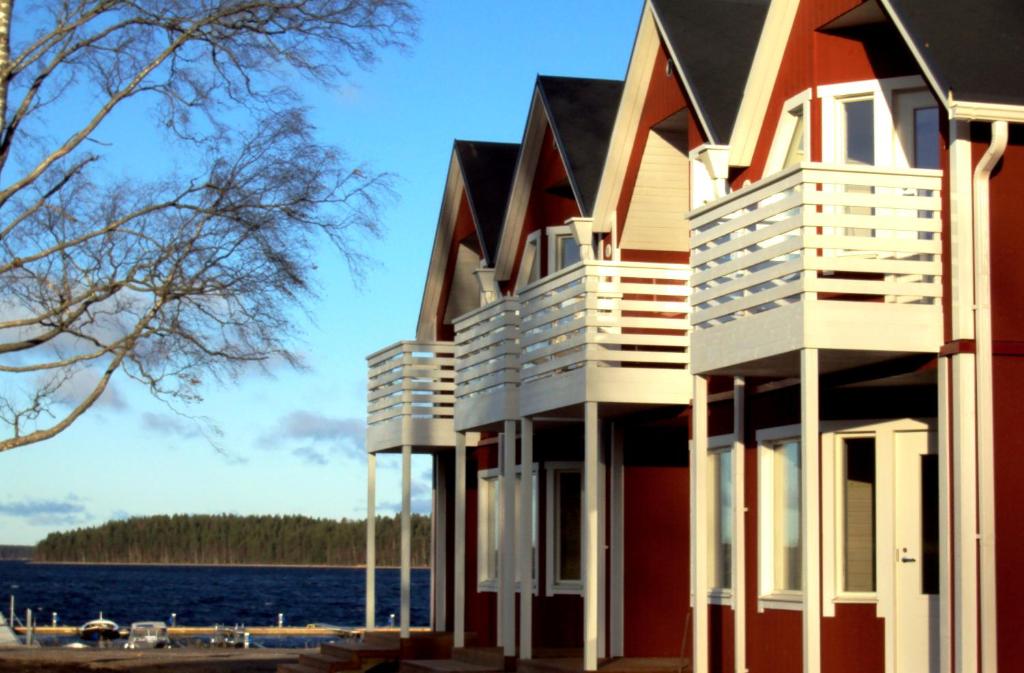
point(725, 370)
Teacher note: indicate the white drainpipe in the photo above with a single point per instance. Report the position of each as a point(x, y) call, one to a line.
point(983, 379)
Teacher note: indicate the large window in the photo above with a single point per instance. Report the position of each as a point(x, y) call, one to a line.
point(489, 502)
point(720, 529)
point(781, 554)
point(565, 528)
point(563, 250)
point(857, 513)
point(488, 529)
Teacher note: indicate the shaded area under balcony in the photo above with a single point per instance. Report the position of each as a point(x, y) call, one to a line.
point(411, 397)
point(845, 259)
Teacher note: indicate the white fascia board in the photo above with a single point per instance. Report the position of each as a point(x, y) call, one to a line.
point(984, 112)
point(426, 326)
point(522, 183)
point(771, 47)
point(627, 119)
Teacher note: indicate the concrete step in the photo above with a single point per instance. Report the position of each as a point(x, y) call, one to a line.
point(491, 657)
point(328, 664)
point(295, 668)
point(447, 666)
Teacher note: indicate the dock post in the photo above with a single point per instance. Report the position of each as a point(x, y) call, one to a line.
point(460, 540)
point(590, 536)
point(371, 541)
point(406, 578)
point(29, 627)
point(526, 540)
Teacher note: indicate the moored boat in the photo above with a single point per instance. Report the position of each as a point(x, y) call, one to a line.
point(99, 629)
point(147, 635)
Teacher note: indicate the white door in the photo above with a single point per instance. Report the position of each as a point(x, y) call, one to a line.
point(917, 545)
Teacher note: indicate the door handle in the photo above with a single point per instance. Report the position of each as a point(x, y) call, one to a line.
point(907, 559)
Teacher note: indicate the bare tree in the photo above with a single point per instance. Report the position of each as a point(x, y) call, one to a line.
point(195, 274)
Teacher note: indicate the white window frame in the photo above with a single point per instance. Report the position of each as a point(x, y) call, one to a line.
point(483, 517)
point(553, 587)
point(883, 93)
point(717, 445)
point(531, 254)
point(555, 233)
point(784, 129)
point(832, 434)
point(767, 596)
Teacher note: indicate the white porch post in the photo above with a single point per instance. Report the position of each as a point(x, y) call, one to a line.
point(739, 580)
point(440, 567)
point(699, 530)
point(526, 541)
point(945, 523)
point(810, 478)
point(590, 536)
point(371, 540)
point(507, 565)
point(406, 572)
point(459, 594)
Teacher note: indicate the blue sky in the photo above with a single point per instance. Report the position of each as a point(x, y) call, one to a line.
point(292, 442)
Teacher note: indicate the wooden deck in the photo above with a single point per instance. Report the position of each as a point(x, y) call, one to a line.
point(615, 665)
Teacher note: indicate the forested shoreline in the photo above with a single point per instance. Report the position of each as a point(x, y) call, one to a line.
point(221, 539)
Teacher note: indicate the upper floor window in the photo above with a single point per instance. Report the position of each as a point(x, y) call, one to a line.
point(563, 249)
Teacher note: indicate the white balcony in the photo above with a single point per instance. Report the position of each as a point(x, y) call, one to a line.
point(487, 365)
point(410, 397)
point(846, 259)
point(611, 332)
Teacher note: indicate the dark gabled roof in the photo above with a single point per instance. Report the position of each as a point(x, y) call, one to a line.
point(974, 49)
point(582, 113)
point(714, 42)
point(487, 169)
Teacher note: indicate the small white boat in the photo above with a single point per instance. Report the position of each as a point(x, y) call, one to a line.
point(147, 635)
point(99, 629)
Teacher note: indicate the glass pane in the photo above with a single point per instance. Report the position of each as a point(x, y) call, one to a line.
point(926, 137)
point(569, 525)
point(494, 523)
point(787, 517)
point(930, 524)
point(568, 251)
point(860, 131)
point(859, 514)
point(721, 513)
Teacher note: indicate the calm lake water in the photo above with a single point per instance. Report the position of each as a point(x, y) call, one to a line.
point(203, 596)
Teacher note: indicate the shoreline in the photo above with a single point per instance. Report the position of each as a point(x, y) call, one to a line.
point(319, 566)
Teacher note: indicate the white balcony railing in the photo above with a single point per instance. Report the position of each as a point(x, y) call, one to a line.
point(600, 315)
point(411, 395)
point(842, 238)
point(487, 363)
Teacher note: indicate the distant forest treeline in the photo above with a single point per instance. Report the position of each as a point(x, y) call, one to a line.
point(15, 552)
point(228, 538)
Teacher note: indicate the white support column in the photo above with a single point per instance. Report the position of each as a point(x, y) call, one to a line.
point(698, 531)
point(739, 579)
point(459, 593)
point(602, 546)
point(945, 524)
point(507, 566)
point(406, 571)
point(440, 544)
point(618, 558)
point(433, 543)
point(965, 516)
point(810, 477)
point(590, 535)
point(526, 541)
point(371, 541)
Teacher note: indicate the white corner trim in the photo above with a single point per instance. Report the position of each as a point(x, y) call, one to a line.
point(426, 326)
point(627, 119)
point(522, 183)
point(764, 72)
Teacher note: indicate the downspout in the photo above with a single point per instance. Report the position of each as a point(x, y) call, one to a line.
point(984, 396)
